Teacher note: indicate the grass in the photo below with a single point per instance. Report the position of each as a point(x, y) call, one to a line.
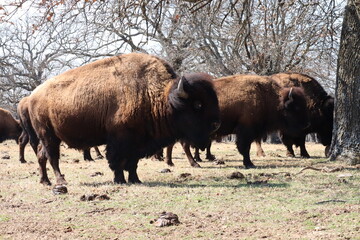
point(280, 204)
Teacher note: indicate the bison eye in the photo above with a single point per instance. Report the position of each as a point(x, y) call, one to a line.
point(197, 105)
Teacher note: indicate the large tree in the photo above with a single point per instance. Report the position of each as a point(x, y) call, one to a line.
point(346, 134)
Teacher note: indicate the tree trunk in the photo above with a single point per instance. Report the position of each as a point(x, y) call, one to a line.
point(346, 134)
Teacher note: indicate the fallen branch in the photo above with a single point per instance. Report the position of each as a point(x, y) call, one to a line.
point(99, 210)
point(325, 169)
point(332, 200)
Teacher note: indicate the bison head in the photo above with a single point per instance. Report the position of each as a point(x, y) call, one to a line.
point(294, 110)
point(195, 109)
point(324, 132)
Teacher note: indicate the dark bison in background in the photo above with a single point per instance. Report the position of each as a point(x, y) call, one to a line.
point(252, 106)
point(320, 107)
point(9, 127)
point(134, 103)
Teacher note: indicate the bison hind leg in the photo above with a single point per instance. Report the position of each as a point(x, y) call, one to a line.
point(51, 145)
point(42, 159)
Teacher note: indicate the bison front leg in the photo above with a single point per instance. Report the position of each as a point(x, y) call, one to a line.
point(259, 151)
point(119, 176)
point(288, 142)
point(197, 157)
point(116, 163)
point(243, 143)
point(168, 157)
point(190, 158)
point(131, 168)
point(209, 156)
point(300, 141)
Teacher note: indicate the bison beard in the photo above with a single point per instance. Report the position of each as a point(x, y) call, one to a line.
point(134, 103)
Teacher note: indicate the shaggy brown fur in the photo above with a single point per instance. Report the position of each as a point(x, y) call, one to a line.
point(26, 126)
point(9, 127)
point(320, 107)
point(252, 106)
point(129, 102)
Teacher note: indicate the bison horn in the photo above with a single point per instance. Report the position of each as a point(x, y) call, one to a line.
point(180, 88)
point(290, 94)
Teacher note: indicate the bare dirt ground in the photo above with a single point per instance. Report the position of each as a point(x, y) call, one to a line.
point(281, 199)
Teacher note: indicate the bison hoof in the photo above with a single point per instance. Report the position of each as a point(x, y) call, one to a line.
point(249, 166)
point(211, 158)
point(136, 181)
point(260, 154)
point(118, 181)
point(22, 161)
point(171, 164)
point(196, 165)
point(305, 156)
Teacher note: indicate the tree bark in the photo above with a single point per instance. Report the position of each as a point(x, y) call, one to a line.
point(346, 134)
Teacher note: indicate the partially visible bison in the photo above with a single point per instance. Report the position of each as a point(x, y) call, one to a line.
point(320, 107)
point(87, 155)
point(134, 103)
point(252, 106)
point(27, 129)
point(9, 127)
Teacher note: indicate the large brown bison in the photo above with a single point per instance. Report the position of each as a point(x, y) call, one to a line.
point(252, 106)
point(9, 126)
point(134, 103)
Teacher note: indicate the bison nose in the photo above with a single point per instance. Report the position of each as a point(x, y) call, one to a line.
point(215, 126)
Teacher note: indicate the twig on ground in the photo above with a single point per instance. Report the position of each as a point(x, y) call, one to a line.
point(99, 210)
point(332, 200)
point(325, 169)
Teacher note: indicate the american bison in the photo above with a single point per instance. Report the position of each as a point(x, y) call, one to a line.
point(134, 103)
point(9, 127)
point(252, 106)
point(320, 107)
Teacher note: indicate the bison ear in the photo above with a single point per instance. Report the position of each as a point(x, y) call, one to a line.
point(180, 88)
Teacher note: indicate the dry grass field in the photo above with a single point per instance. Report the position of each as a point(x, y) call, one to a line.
point(278, 200)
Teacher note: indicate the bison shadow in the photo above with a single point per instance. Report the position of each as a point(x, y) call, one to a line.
point(190, 185)
point(215, 185)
